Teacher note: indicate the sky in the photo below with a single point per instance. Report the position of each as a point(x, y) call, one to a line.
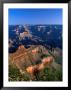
point(34, 16)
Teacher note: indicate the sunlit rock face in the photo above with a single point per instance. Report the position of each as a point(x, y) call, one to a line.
point(30, 59)
point(32, 48)
point(47, 60)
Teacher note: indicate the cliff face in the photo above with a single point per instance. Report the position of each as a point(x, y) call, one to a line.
point(32, 62)
point(21, 57)
point(32, 57)
point(24, 58)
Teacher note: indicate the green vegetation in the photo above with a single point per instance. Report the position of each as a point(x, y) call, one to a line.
point(59, 60)
point(15, 75)
point(48, 74)
point(52, 72)
point(44, 55)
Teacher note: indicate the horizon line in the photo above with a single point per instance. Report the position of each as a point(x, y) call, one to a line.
point(35, 24)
